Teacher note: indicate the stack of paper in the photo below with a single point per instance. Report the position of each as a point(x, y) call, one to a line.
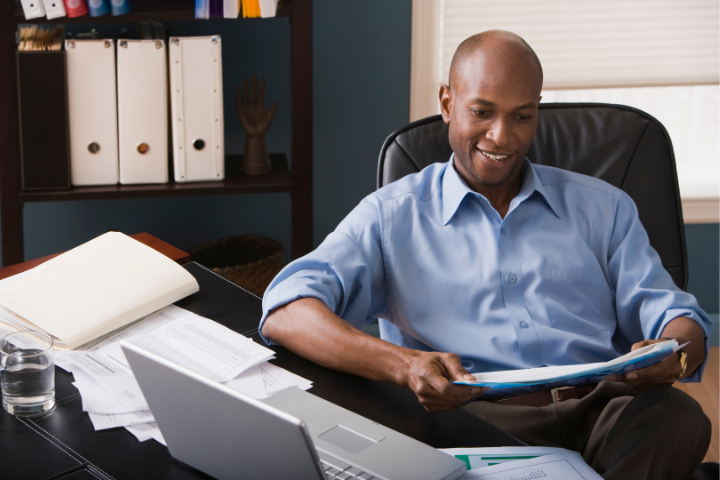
point(111, 395)
point(634, 360)
point(503, 463)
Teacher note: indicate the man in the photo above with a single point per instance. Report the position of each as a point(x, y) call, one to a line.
point(490, 263)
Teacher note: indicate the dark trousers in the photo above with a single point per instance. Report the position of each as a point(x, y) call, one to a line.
point(622, 433)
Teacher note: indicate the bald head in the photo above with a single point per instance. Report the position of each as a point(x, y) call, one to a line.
point(501, 46)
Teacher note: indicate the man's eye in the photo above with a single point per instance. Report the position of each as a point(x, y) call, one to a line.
point(480, 113)
point(523, 118)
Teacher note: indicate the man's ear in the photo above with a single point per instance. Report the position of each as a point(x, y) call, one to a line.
point(446, 102)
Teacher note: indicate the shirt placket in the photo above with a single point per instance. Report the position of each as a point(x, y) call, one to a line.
point(512, 288)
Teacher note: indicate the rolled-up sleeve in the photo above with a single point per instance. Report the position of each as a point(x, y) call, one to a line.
point(346, 272)
point(644, 289)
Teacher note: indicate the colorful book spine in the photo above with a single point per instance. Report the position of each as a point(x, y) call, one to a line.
point(75, 8)
point(119, 7)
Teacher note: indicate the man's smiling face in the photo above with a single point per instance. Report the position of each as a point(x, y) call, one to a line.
point(491, 108)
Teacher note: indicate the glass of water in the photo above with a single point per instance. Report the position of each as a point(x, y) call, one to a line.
point(27, 373)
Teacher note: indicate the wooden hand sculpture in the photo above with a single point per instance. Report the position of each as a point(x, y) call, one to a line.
point(256, 121)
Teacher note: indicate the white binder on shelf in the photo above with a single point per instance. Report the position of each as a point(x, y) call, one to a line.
point(142, 111)
point(196, 108)
point(54, 9)
point(32, 9)
point(92, 109)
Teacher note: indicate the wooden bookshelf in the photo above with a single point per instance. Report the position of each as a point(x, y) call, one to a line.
point(279, 180)
point(145, 11)
point(296, 181)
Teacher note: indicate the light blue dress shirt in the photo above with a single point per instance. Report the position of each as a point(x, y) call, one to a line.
point(567, 277)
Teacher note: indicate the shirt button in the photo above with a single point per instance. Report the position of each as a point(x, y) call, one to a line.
point(524, 324)
point(512, 278)
point(502, 231)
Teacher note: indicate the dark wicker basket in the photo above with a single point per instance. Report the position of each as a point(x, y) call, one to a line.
point(250, 261)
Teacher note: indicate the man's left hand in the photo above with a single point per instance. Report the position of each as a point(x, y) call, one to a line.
point(665, 372)
point(682, 329)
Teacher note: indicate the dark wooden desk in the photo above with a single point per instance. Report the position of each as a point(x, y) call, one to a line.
point(65, 445)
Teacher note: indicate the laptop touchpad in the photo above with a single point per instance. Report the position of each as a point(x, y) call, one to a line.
point(347, 438)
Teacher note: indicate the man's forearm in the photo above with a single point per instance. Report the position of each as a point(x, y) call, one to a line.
point(310, 329)
point(685, 329)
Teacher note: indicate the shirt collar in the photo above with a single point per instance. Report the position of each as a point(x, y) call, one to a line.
point(454, 190)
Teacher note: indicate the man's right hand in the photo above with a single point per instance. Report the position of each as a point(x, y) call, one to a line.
point(430, 376)
point(309, 328)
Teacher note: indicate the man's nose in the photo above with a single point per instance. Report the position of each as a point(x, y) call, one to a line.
point(499, 132)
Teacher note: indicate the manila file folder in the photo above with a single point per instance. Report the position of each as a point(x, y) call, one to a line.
point(96, 288)
point(93, 111)
point(195, 69)
point(142, 111)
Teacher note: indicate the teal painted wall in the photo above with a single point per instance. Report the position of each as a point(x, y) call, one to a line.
point(361, 94)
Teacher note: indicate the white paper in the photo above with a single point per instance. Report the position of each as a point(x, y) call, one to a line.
point(565, 372)
point(489, 456)
point(103, 421)
point(250, 383)
point(265, 380)
point(114, 376)
point(96, 398)
point(277, 379)
point(550, 467)
point(146, 432)
point(205, 347)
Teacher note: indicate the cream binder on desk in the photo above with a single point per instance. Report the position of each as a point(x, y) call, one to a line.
point(142, 111)
point(92, 109)
point(197, 110)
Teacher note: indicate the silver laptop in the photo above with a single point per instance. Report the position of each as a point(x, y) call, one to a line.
point(292, 434)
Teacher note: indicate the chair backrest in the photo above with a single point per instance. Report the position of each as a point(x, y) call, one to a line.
point(622, 145)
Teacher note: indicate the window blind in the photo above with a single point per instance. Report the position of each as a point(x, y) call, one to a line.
point(592, 43)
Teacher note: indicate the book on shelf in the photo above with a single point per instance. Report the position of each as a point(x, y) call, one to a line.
point(92, 290)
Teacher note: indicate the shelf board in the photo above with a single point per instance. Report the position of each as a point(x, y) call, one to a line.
point(145, 11)
point(279, 180)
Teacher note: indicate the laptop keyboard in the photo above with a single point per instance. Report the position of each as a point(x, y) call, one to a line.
point(337, 469)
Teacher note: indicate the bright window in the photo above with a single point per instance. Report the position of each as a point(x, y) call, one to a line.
point(660, 56)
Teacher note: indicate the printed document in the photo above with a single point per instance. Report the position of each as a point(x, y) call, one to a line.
point(523, 463)
point(634, 360)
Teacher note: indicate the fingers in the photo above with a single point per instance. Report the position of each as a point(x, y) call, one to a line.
point(662, 373)
point(253, 89)
point(262, 91)
point(456, 370)
point(245, 93)
point(431, 377)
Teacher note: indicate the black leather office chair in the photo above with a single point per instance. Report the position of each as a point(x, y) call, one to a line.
point(621, 145)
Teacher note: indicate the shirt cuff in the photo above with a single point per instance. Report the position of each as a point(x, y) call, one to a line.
point(280, 296)
point(704, 322)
